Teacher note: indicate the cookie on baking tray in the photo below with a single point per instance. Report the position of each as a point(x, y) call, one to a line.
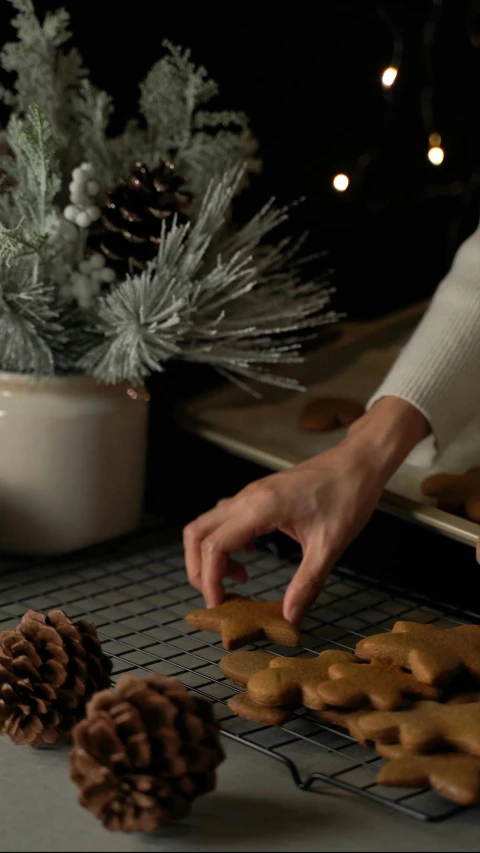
point(325, 413)
point(434, 655)
point(456, 492)
point(241, 621)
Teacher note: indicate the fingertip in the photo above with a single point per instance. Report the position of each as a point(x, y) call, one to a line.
point(294, 613)
point(214, 595)
point(299, 597)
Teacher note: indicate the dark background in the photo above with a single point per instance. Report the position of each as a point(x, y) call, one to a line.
point(308, 75)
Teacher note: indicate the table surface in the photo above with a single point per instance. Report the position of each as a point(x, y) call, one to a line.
point(256, 807)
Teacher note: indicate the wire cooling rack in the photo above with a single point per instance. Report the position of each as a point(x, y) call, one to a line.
point(135, 590)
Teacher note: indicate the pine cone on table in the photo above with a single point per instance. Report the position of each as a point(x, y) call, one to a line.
point(131, 223)
point(144, 753)
point(49, 669)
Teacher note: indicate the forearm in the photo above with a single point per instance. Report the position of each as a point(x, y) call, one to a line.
point(377, 443)
point(388, 433)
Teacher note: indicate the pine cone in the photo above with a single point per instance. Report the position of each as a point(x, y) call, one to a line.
point(49, 669)
point(132, 219)
point(144, 753)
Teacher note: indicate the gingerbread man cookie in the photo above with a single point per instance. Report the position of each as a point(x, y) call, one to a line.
point(434, 655)
point(453, 775)
point(385, 687)
point(291, 682)
point(241, 621)
point(326, 413)
point(456, 492)
point(426, 726)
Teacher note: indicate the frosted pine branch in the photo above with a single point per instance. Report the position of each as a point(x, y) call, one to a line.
point(235, 299)
point(239, 312)
point(29, 327)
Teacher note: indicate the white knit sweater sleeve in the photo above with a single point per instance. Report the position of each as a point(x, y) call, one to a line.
point(438, 371)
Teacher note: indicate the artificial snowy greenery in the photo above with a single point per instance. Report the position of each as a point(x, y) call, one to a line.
point(214, 294)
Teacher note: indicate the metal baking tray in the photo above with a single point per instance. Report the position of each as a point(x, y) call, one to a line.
point(251, 433)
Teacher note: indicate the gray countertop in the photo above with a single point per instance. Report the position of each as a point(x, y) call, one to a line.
point(256, 807)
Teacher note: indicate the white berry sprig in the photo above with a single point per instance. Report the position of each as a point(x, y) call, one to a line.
point(82, 210)
point(86, 282)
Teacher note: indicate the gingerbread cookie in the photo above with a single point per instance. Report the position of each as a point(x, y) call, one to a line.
point(326, 413)
point(456, 492)
point(426, 726)
point(456, 777)
point(240, 621)
point(240, 666)
point(344, 720)
point(291, 682)
point(434, 655)
point(243, 706)
point(385, 687)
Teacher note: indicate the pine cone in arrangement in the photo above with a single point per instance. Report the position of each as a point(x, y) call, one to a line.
point(49, 669)
point(144, 752)
point(136, 209)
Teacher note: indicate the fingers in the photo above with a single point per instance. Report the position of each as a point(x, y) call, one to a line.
point(233, 535)
point(308, 581)
point(207, 551)
point(231, 526)
point(193, 536)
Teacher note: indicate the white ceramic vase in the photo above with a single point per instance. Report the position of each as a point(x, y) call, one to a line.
point(72, 462)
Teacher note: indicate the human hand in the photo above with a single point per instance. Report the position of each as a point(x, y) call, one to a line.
point(322, 503)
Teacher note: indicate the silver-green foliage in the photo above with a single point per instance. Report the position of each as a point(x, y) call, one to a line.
point(46, 74)
point(29, 327)
point(172, 106)
point(174, 122)
point(38, 181)
point(30, 253)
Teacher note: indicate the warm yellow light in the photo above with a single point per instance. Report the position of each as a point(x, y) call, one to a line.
point(436, 155)
point(389, 76)
point(341, 182)
point(435, 140)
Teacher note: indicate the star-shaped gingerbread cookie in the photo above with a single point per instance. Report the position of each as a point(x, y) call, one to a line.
point(434, 655)
point(240, 621)
point(453, 775)
point(456, 492)
point(426, 726)
point(385, 687)
point(291, 682)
